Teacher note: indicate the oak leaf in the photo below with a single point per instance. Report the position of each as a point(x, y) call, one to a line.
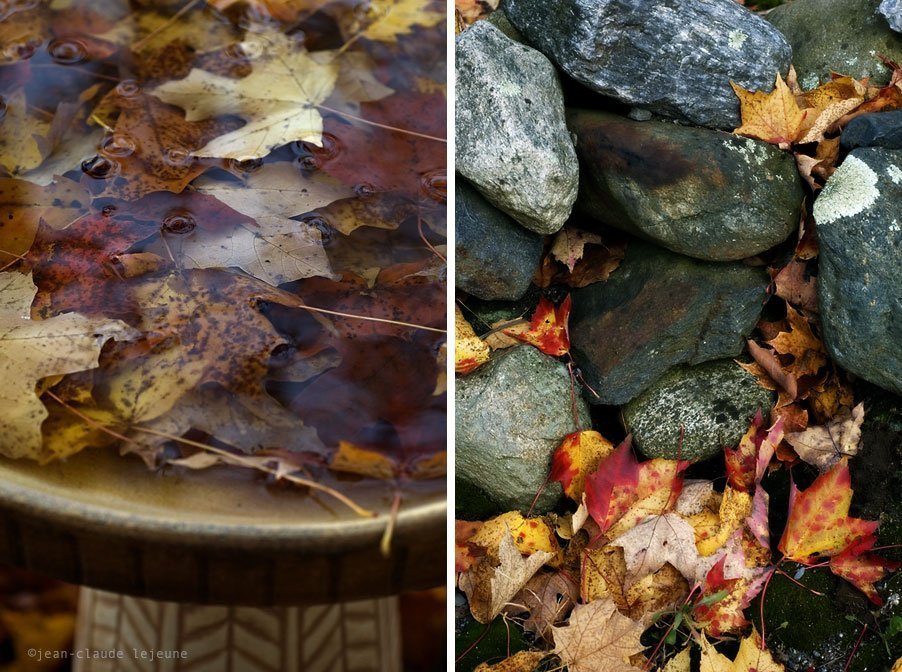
point(823, 446)
point(598, 637)
point(277, 100)
point(489, 587)
point(32, 349)
point(773, 117)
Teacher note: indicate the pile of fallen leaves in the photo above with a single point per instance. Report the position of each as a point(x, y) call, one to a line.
point(201, 259)
point(647, 548)
point(649, 568)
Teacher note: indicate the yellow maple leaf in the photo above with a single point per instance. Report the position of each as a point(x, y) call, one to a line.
point(277, 100)
point(773, 117)
point(391, 18)
point(470, 351)
point(750, 658)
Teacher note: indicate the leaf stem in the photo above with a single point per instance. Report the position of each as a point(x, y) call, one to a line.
point(137, 46)
point(378, 125)
point(371, 319)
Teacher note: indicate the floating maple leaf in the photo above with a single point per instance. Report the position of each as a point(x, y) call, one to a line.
point(278, 99)
point(32, 349)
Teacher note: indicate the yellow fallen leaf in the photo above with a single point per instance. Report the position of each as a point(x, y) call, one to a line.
point(750, 658)
point(362, 461)
point(277, 100)
point(773, 117)
point(470, 351)
point(32, 349)
point(391, 18)
point(531, 535)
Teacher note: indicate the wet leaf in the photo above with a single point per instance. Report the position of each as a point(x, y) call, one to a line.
point(277, 100)
point(32, 349)
point(548, 329)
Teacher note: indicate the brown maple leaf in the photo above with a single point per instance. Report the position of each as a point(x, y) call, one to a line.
point(824, 446)
point(598, 637)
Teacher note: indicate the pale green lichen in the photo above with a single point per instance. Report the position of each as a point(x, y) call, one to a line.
point(736, 39)
point(851, 190)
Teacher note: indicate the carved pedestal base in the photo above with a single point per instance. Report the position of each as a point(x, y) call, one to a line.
point(141, 635)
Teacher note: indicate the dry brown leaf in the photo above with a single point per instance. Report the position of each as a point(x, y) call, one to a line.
point(522, 661)
point(793, 284)
point(597, 638)
point(824, 446)
point(662, 539)
point(807, 350)
point(768, 361)
point(828, 103)
point(679, 663)
point(490, 588)
point(773, 117)
point(569, 245)
point(547, 598)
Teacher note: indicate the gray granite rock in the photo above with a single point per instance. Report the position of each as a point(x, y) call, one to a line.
point(859, 226)
point(495, 257)
point(511, 139)
point(712, 403)
point(657, 311)
point(499, 19)
point(674, 58)
point(842, 36)
point(879, 129)
point(702, 193)
point(891, 10)
point(510, 416)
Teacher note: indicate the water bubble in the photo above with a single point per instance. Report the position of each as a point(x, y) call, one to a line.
point(67, 51)
point(100, 168)
point(245, 165)
point(128, 88)
point(434, 184)
point(308, 163)
point(318, 222)
point(179, 222)
point(177, 156)
point(108, 210)
point(118, 145)
point(364, 190)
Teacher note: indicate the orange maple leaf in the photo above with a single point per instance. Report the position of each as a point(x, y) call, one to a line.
point(819, 522)
point(773, 117)
point(548, 329)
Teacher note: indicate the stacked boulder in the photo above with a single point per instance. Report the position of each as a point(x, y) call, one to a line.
point(697, 204)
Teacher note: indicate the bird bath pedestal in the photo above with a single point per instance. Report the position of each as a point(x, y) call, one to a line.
point(236, 575)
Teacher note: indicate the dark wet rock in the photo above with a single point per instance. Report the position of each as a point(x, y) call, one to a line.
point(510, 416)
point(511, 139)
point(476, 643)
point(879, 129)
point(891, 10)
point(859, 224)
point(657, 311)
point(673, 58)
point(842, 36)
point(495, 256)
point(711, 404)
point(695, 191)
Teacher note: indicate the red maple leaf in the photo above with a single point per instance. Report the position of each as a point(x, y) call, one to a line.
point(548, 328)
